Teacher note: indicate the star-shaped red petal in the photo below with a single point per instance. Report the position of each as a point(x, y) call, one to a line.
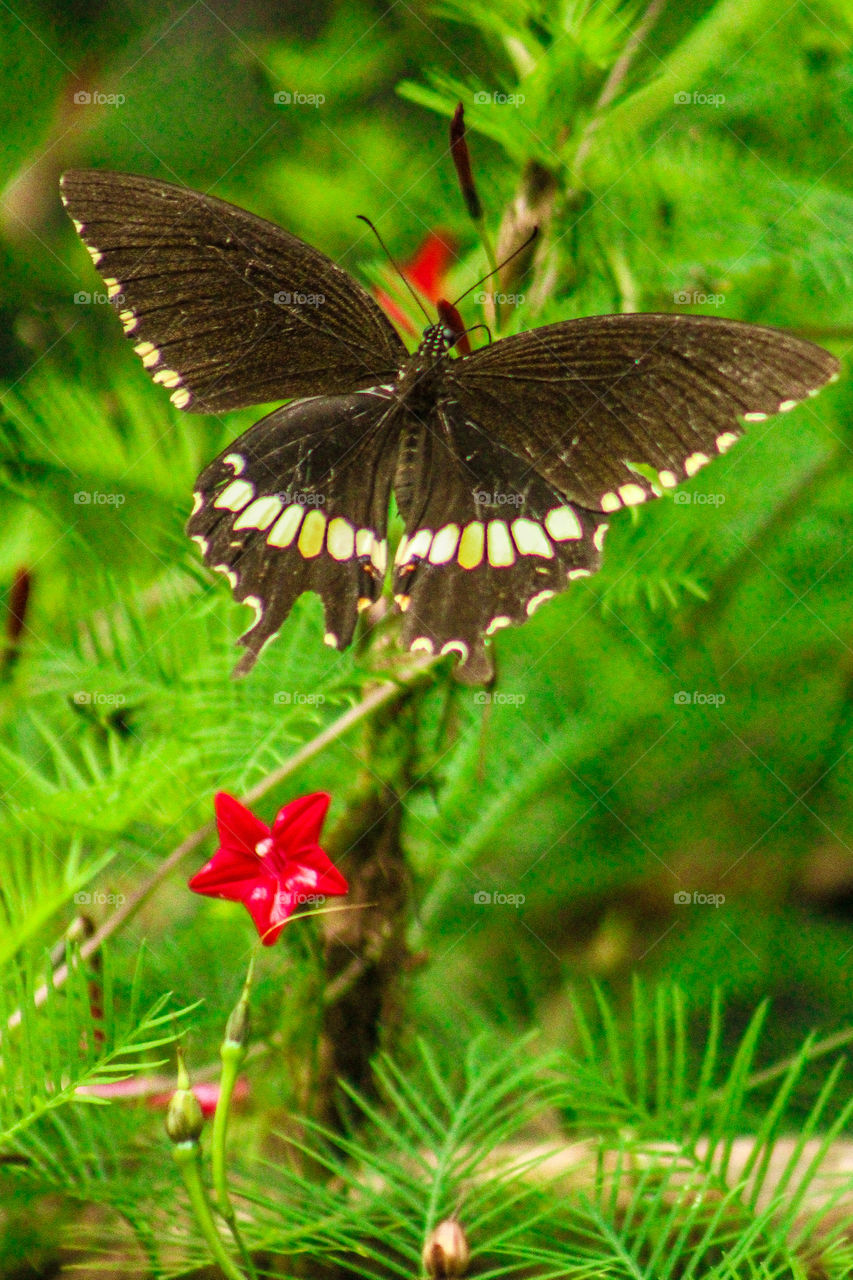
point(271, 870)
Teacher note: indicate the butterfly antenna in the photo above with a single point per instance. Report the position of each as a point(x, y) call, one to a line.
point(406, 282)
point(534, 233)
point(478, 326)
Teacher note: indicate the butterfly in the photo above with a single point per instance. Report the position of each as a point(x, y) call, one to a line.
point(505, 463)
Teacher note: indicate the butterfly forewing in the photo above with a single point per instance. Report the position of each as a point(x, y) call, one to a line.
point(583, 402)
point(226, 309)
point(300, 503)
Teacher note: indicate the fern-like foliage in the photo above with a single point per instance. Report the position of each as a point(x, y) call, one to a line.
point(640, 1154)
point(59, 1050)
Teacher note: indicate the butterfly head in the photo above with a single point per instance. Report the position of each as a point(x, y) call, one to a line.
point(438, 338)
point(449, 332)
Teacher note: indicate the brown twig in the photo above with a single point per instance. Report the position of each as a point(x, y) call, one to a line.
point(612, 84)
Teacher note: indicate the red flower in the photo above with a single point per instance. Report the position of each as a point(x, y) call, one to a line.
point(272, 871)
point(426, 271)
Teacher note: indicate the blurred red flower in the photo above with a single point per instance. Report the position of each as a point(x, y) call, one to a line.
point(157, 1091)
point(271, 870)
point(426, 270)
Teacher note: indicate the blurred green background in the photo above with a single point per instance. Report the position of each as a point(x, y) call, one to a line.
point(678, 725)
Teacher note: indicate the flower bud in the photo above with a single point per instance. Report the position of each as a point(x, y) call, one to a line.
point(462, 161)
point(239, 1021)
point(184, 1118)
point(446, 1251)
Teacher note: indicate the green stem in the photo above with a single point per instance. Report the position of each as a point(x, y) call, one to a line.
point(232, 1054)
point(483, 233)
point(820, 1048)
point(187, 1156)
point(708, 45)
point(488, 246)
point(613, 83)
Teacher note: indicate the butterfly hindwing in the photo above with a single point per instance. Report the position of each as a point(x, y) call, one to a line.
point(226, 309)
point(298, 503)
point(485, 544)
point(580, 402)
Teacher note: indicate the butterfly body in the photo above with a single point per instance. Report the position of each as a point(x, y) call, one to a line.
point(506, 463)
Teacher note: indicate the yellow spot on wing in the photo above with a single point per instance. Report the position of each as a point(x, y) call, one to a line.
point(498, 623)
point(471, 545)
point(534, 603)
point(284, 530)
point(260, 513)
point(530, 538)
point(341, 539)
point(562, 524)
point(694, 462)
point(402, 550)
point(501, 550)
point(455, 646)
point(379, 556)
point(444, 544)
point(419, 545)
point(313, 532)
point(235, 496)
point(147, 352)
point(365, 541)
point(632, 494)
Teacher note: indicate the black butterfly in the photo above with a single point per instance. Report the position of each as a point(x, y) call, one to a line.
point(505, 464)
